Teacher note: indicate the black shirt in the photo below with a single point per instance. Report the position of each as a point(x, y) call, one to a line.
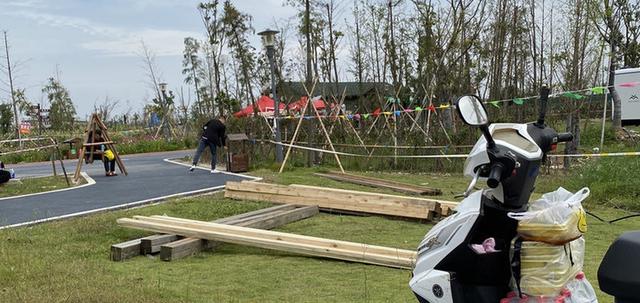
point(214, 132)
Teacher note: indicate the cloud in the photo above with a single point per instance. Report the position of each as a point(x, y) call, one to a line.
point(24, 4)
point(111, 40)
point(161, 42)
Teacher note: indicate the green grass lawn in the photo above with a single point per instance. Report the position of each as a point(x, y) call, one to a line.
point(68, 261)
point(32, 185)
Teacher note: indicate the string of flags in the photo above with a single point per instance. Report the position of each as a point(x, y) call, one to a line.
point(575, 95)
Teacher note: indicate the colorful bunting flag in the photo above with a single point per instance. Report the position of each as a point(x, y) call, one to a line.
point(518, 101)
point(495, 103)
point(366, 116)
point(432, 108)
point(398, 113)
point(598, 90)
point(418, 109)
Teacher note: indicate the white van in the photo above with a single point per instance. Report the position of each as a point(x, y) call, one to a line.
point(629, 95)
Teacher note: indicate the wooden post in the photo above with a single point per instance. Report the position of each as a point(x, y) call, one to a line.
point(53, 163)
point(295, 133)
point(81, 152)
point(327, 136)
point(64, 170)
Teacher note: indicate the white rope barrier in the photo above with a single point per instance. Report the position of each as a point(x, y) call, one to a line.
point(367, 156)
point(28, 149)
point(376, 146)
point(24, 140)
point(618, 154)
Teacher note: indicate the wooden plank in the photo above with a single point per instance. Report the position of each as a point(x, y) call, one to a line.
point(271, 221)
point(98, 143)
point(130, 249)
point(316, 191)
point(410, 212)
point(184, 248)
point(411, 207)
point(331, 194)
point(189, 246)
point(126, 250)
point(270, 235)
point(151, 244)
point(416, 211)
point(380, 183)
point(334, 193)
point(255, 213)
point(342, 250)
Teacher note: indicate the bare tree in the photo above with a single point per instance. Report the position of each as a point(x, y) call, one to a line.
point(11, 88)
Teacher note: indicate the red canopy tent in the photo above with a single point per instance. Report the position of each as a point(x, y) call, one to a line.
point(264, 105)
point(299, 105)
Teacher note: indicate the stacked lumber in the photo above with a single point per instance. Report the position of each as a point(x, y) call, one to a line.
point(292, 243)
point(172, 247)
point(340, 199)
point(380, 183)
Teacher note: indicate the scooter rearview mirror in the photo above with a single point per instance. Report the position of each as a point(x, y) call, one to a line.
point(472, 111)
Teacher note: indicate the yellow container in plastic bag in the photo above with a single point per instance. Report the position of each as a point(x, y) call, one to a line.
point(571, 229)
point(545, 269)
point(556, 218)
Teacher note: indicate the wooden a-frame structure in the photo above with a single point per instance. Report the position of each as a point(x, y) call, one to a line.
point(93, 126)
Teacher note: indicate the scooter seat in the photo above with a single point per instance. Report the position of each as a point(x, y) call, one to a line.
point(618, 272)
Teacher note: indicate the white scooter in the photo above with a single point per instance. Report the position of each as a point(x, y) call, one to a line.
point(508, 157)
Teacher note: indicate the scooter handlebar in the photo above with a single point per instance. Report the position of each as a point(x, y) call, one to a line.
point(495, 175)
point(565, 137)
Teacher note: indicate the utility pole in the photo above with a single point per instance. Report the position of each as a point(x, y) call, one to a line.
point(13, 97)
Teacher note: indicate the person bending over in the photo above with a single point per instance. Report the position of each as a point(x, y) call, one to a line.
point(213, 136)
point(108, 158)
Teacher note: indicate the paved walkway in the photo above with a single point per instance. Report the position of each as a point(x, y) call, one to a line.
point(150, 179)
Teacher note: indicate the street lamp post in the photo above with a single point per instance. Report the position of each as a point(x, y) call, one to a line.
point(269, 40)
point(163, 105)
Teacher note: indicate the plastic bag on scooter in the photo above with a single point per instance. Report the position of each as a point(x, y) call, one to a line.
point(578, 290)
point(556, 218)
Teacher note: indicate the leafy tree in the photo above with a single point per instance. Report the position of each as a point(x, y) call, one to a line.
point(62, 113)
point(192, 64)
point(214, 26)
point(238, 26)
point(24, 106)
point(6, 117)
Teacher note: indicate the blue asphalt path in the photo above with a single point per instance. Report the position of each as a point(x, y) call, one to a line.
point(150, 177)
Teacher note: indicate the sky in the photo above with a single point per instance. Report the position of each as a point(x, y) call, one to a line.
point(95, 44)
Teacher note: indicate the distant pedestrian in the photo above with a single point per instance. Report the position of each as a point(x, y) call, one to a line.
point(5, 175)
point(108, 157)
point(213, 136)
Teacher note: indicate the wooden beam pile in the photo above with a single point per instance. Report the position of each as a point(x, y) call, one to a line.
point(340, 199)
point(172, 247)
point(305, 245)
point(381, 183)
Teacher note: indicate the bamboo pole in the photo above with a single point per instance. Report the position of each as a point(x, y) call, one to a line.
point(326, 133)
point(295, 133)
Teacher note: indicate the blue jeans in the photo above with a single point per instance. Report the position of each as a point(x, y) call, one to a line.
point(201, 146)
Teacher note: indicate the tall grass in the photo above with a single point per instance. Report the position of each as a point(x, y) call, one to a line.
point(613, 181)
